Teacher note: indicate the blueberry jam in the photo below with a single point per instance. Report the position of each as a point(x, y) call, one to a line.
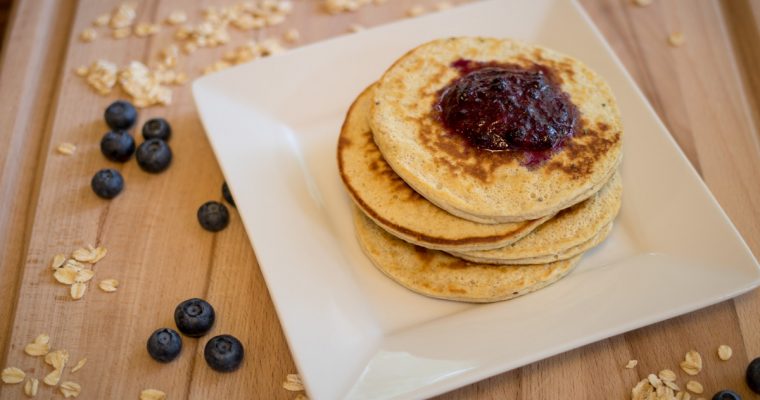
point(498, 107)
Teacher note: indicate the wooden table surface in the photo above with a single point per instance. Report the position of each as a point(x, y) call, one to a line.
point(707, 92)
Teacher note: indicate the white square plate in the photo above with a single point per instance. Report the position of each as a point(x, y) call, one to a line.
point(354, 333)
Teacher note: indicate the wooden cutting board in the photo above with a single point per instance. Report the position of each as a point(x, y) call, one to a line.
point(706, 91)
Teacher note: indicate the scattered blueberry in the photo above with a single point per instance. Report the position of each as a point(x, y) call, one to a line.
point(154, 155)
point(213, 216)
point(117, 145)
point(107, 183)
point(157, 128)
point(726, 395)
point(227, 195)
point(753, 375)
point(164, 345)
point(120, 115)
point(194, 317)
point(224, 353)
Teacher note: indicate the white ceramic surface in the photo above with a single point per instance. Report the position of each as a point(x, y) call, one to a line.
point(355, 334)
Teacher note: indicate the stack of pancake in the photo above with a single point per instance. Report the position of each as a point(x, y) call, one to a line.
point(450, 220)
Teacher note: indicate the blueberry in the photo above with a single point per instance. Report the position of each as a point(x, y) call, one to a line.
point(157, 128)
point(224, 353)
point(753, 375)
point(164, 345)
point(117, 145)
point(227, 195)
point(194, 317)
point(107, 183)
point(154, 155)
point(120, 115)
point(726, 395)
point(213, 216)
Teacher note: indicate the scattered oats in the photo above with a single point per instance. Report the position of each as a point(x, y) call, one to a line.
point(82, 70)
point(356, 28)
point(176, 18)
point(180, 78)
point(692, 363)
point(725, 352)
point(79, 365)
point(70, 389)
point(123, 16)
point(275, 19)
point(68, 149)
point(144, 29)
point(83, 255)
point(108, 285)
point(292, 386)
point(88, 35)
point(77, 290)
point(672, 385)
point(102, 20)
point(667, 375)
point(301, 396)
point(13, 375)
point(99, 252)
point(295, 378)
point(415, 11)
point(378, 2)
point(676, 39)
point(642, 390)
point(31, 386)
point(57, 359)
point(217, 66)
point(631, 364)
point(444, 5)
point(292, 35)
point(189, 48)
point(84, 276)
point(39, 347)
point(52, 378)
point(183, 32)
point(694, 387)
point(338, 6)
point(121, 33)
point(642, 3)
point(76, 265)
point(102, 76)
point(66, 275)
point(152, 394)
point(58, 259)
point(654, 380)
point(144, 87)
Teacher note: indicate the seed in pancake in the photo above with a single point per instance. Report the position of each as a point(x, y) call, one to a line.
point(725, 352)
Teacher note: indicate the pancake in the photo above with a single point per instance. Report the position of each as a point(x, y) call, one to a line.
point(393, 205)
point(571, 232)
point(493, 186)
point(436, 274)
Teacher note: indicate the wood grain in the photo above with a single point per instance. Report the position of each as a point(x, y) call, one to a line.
point(704, 91)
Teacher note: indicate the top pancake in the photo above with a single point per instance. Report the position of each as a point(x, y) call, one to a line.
point(486, 186)
point(393, 205)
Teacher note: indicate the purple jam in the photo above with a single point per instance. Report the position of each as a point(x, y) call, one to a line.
point(499, 107)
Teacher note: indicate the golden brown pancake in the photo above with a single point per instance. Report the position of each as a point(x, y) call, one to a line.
point(437, 274)
point(492, 186)
point(572, 231)
point(393, 205)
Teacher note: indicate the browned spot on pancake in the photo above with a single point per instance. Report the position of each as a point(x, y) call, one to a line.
point(343, 142)
point(583, 152)
point(456, 289)
point(602, 126)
